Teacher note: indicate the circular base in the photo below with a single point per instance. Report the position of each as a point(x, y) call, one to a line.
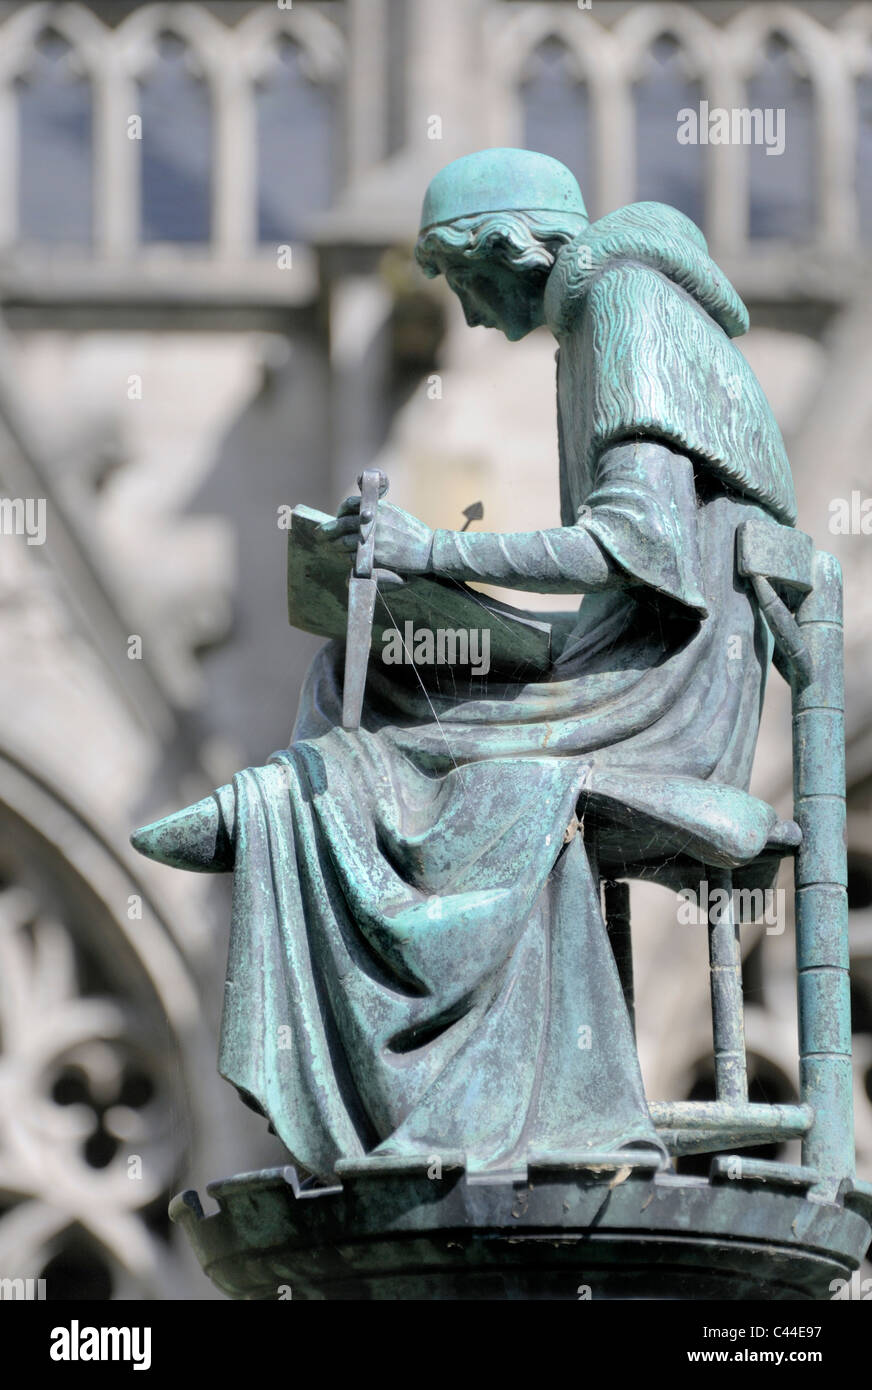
point(570, 1230)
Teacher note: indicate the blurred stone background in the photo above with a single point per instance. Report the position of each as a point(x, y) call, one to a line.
point(208, 310)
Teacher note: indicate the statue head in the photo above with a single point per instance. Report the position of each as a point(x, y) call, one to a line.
point(492, 223)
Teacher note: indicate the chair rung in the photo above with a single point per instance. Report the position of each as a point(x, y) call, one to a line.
point(714, 1114)
point(690, 1126)
point(733, 1168)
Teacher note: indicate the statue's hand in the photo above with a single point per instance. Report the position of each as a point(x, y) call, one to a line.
point(402, 542)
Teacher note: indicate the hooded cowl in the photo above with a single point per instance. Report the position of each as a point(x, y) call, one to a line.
point(646, 319)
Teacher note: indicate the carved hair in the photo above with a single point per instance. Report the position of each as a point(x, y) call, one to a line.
point(523, 240)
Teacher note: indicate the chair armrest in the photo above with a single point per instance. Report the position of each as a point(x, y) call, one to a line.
point(767, 550)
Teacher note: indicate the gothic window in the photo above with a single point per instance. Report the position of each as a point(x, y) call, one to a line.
point(176, 146)
point(54, 145)
point(295, 136)
point(666, 171)
point(556, 110)
point(92, 1135)
point(782, 194)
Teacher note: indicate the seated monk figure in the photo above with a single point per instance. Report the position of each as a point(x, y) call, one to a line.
point(418, 958)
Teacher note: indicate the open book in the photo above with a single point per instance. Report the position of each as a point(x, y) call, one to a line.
point(318, 572)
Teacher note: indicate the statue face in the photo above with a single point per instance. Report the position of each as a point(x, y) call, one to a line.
point(496, 296)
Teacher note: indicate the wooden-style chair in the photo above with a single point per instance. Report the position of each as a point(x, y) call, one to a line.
point(725, 838)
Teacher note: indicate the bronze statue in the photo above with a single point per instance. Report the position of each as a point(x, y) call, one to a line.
point(419, 962)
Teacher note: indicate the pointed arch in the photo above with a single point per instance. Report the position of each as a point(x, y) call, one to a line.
point(591, 65)
point(667, 82)
point(33, 101)
point(295, 62)
point(782, 171)
point(804, 194)
point(639, 29)
point(555, 101)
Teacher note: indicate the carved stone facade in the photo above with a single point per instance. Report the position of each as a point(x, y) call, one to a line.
point(208, 312)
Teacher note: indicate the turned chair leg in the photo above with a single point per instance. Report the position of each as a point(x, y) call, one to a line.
point(725, 967)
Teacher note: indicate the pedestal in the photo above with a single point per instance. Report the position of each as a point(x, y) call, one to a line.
point(564, 1227)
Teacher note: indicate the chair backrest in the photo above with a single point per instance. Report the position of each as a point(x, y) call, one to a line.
point(799, 590)
point(809, 653)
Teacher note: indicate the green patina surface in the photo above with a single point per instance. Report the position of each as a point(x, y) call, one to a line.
point(419, 964)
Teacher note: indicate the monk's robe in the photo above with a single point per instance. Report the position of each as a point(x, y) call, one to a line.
point(418, 960)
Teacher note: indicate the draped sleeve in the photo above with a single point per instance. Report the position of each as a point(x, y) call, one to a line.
point(642, 512)
point(637, 527)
